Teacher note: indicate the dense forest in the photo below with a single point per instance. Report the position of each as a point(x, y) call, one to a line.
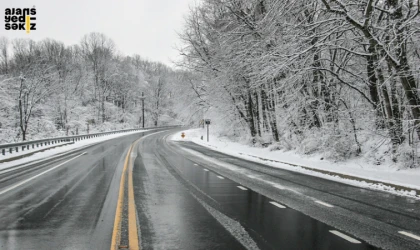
point(332, 76)
point(49, 89)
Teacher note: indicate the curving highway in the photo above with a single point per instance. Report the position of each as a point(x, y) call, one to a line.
point(145, 191)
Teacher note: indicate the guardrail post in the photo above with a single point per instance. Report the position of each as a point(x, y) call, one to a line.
point(17, 149)
point(3, 151)
point(10, 150)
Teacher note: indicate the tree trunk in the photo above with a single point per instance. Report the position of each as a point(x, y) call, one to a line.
point(390, 120)
point(264, 109)
point(24, 135)
point(257, 113)
point(103, 109)
point(273, 119)
point(250, 112)
point(373, 82)
point(398, 126)
point(403, 68)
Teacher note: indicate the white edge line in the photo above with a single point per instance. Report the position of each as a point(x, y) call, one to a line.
point(348, 238)
point(242, 188)
point(277, 204)
point(205, 169)
point(36, 176)
point(410, 235)
point(278, 186)
point(324, 204)
point(220, 177)
point(195, 164)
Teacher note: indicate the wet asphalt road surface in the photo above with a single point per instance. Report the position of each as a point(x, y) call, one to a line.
point(375, 216)
point(190, 197)
point(180, 195)
point(71, 206)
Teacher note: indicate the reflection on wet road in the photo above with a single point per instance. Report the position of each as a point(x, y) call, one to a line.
point(199, 200)
point(169, 217)
point(69, 205)
point(170, 190)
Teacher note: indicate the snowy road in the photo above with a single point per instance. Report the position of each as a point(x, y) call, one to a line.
point(190, 197)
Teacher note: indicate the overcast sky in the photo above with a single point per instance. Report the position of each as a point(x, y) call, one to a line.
point(144, 27)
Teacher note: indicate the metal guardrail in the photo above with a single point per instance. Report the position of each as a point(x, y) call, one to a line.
point(14, 147)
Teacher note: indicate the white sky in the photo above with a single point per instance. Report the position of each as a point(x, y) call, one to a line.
point(144, 27)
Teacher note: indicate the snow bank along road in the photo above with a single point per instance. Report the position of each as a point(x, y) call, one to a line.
point(144, 191)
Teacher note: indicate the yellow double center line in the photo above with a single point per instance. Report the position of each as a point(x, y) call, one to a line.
point(133, 240)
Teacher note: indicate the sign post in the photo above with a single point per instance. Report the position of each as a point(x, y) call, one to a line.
point(207, 121)
point(142, 107)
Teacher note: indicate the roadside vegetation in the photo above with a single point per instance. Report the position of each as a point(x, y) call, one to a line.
point(49, 89)
point(338, 78)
